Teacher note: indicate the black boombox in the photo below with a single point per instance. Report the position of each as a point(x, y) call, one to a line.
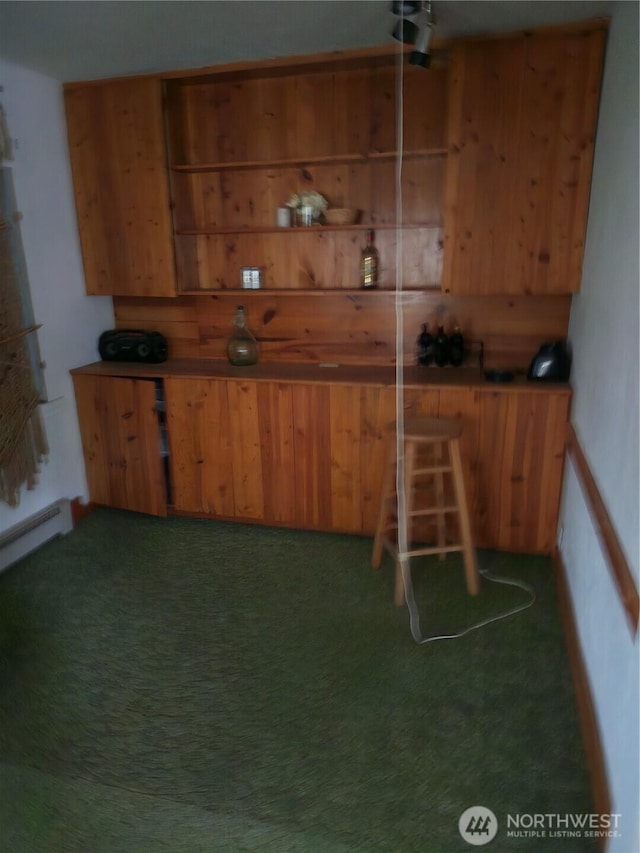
point(133, 345)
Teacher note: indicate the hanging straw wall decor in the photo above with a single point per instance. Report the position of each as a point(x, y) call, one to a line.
point(22, 440)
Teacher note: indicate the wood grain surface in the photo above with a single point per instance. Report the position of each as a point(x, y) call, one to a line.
point(522, 120)
point(350, 328)
point(121, 442)
point(118, 162)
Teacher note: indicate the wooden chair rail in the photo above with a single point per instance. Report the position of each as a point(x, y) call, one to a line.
point(616, 559)
point(591, 738)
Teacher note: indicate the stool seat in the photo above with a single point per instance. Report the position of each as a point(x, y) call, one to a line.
point(434, 490)
point(431, 429)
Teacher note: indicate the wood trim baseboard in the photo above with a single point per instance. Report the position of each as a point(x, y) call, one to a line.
point(616, 560)
point(589, 728)
point(80, 510)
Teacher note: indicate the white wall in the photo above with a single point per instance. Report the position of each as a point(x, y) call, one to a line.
point(71, 320)
point(604, 335)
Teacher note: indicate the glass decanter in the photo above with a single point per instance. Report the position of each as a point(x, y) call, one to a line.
point(242, 347)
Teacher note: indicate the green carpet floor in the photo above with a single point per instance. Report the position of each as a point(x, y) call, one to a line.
point(188, 685)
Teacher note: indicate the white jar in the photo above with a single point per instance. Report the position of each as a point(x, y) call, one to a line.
point(283, 217)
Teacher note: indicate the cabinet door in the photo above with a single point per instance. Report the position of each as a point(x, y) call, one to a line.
point(231, 448)
point(118, 161)
point(340, 447)
point(121, 442)
point(312, 448)
point(200, 442)
point(520, 465)
point(298, 455)
point(513, 457)
point(277, 458)
point(522, 121)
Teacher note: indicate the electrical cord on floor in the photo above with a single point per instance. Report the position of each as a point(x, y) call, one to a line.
point(414, 616)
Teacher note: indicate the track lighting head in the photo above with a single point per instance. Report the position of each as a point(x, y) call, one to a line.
point(405, 31)
point(407, 8)
point(415, 27)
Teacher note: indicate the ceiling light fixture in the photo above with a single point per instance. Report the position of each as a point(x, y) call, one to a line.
point(415, 27)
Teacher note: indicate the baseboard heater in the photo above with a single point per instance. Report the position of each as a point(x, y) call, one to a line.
point(25, 537)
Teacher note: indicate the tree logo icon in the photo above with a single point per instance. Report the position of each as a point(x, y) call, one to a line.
point(478, 825)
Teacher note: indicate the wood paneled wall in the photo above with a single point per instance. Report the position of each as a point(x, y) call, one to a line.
point(307, 113)
point(348, 327)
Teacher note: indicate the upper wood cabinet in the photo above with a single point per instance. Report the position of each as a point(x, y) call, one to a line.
point(177, 181)
point(118, 161)
point(522, 119)
point(241, 143)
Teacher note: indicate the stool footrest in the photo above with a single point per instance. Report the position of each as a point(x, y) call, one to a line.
point(436, 510)
point(434, 549)
point(434, 469)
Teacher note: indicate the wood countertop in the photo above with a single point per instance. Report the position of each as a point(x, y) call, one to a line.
point(344, 374)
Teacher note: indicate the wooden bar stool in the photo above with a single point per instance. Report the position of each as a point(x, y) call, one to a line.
point(434, 491)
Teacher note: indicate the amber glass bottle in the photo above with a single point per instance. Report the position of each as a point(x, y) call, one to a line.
point(369, 263)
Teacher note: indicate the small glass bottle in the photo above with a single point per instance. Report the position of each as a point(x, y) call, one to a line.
point(242, 347)
point(369, 263)
point(441, 348)
point(425, 346)
point(456, 347)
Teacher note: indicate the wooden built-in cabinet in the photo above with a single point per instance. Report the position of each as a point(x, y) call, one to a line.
point(118, 161)
point(311, 454)
point(303, 455)
point(177, 179)
point(120, 432)
point(242, 143)
point(522, 121)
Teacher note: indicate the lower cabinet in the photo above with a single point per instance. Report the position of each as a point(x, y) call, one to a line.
point(512, 449)
point(312, 455)
point(303, 455)
point(121, 441)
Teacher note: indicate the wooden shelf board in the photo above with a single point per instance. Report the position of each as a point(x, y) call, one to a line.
point(310, 229)
point(330, 159)
point(324, 291)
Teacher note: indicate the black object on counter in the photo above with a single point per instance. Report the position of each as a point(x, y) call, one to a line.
point(456, 347)
point(133, 345)
point(552, 363)
point(441, 348)
point(425, 346)
point(498, 375)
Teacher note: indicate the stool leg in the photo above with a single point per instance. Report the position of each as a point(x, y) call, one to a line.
point(387, 492)
point(470, 558)
point(439, 486)
point(400, 598)
point(409, 465)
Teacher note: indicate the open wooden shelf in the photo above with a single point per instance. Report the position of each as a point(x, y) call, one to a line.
point(296, 229)
point(329, 159)
point(239, 148)
point(319, 291)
